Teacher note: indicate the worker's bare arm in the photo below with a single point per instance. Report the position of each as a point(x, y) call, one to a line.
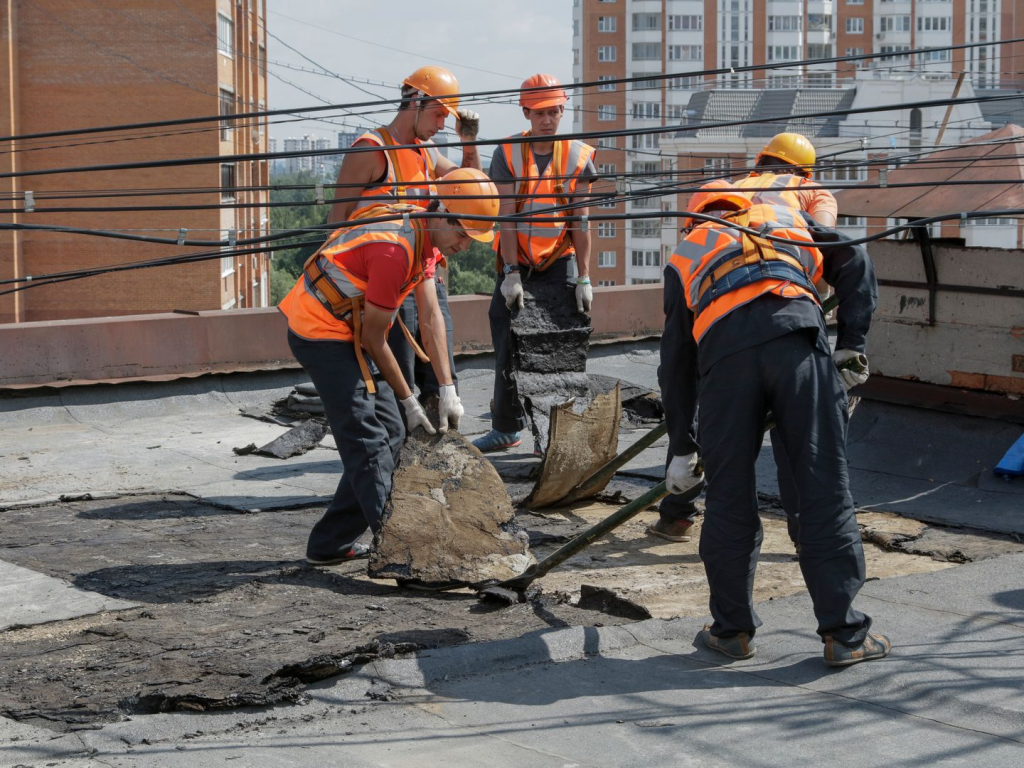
point(433, 331)
point(358, 171)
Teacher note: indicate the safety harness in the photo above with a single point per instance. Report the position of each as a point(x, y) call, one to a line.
point(400, 185)
point(754, 260)
point(349, 309)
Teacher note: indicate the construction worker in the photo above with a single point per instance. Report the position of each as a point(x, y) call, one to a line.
point(429, 97)
point(546, 173)
point(782, 176)
point(345, 303)
point(745, 330)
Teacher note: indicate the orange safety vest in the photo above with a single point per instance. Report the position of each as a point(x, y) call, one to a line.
point(407, 170)
point(722, 268)
point(773, 189)
point(327, 301)
point(544, 238)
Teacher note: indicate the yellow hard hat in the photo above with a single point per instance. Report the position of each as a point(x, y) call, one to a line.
point(792, 148)
point(468, 192)
point(439, 84)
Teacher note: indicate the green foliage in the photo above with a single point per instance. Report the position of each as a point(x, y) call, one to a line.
point(287, 265)
point(472, 271)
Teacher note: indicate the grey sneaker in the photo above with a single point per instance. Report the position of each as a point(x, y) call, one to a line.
point(838, 655)
point(356, 552)
point(738, 647)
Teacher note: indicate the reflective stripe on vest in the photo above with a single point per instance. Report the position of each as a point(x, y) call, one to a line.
point(772, 189)
point(407, 169)
point(544, 238)
point(721, 268)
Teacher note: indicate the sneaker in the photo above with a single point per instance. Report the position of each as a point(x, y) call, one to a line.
point(356, 552)
point(538, 451)
point(738, 647)
point(497, 441)
point(671, 530)
point(839, 655)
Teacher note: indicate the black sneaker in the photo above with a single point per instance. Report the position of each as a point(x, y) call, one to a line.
point(356, 552)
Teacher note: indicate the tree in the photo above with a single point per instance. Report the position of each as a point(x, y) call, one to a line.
point(472, 271)
point(287, 265)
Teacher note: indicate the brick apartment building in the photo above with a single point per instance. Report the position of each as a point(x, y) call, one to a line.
point(628, 38)
point(70, 65)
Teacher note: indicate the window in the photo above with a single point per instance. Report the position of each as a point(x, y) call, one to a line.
point(855, 25)
point(606, 113)
point(676, 112)
point(606, 258)
point(850, 221)
point(647, 85)
point(933, 23)
point(606, 53)
point(647, 110)
point(685, 52)
point(819, 51)
point(863, 64)
point(227, 108)
point(646, 258)
point(645, 203)
point(646, 22)
point(855, 2)
point(996, 221)
point(227, 267)
point(934, 55)
point(605, 229)
point(894, 24)
point(646, 168)
point(684, 83)
point(227, 181)
point(646, 228)
point(605, 283)
point(783, 52)
point(262, 60)
point(844, 172)
point(819, 22)
point(606, 23)
point(606, 169)
point(644, 281)
point(225, 34)
point(785, 23)
point(607, 142)
point(611, 204)
point(606, 1)
point(717, 163)
point(575, 56)
point(900, 51)
point(683, 23)
point(605, 86)
point(645, 141)
point(646, 51)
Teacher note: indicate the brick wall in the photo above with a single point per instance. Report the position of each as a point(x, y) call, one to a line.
point(121, 61)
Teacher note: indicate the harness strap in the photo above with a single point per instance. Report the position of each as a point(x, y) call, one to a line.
point(395, 165)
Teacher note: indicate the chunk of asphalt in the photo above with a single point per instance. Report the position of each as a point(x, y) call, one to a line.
point(606, 601)
point(296, 441)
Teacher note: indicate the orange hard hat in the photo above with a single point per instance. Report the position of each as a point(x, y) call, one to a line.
point(468, 192)
point(439, 84)
point(715, 192)
point(792, 148)
point(554, 96)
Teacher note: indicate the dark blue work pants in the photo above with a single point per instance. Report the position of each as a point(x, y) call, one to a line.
point(796, 380)
point(416, 372)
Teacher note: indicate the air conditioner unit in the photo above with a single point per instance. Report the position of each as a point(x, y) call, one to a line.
point(880, 36)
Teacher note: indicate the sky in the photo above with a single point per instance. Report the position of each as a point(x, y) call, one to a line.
point(487, 45)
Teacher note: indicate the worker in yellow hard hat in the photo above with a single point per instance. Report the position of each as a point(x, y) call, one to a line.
point(548, 173)
point(339, 316)
point(781, 176)
point(430, 96)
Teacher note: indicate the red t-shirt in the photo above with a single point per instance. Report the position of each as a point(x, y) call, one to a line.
point(384, 267)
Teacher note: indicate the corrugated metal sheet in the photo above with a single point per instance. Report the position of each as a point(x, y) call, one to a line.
point(996, 155)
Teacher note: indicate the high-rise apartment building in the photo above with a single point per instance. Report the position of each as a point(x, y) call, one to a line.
point(615, 39)
point(320, 165)
point(71, 65)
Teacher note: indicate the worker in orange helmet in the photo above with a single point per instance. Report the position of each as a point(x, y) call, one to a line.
point(339, 315)
point(430, 96)
point(551, 172)
point(745, 335)
point(782, 176)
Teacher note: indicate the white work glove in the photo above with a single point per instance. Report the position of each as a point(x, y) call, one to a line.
point(512, 290)
point(853, 367)
point(680, 477)
point(449, 409)
point(415, 416)
point(584, 295)
point(467, 125)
